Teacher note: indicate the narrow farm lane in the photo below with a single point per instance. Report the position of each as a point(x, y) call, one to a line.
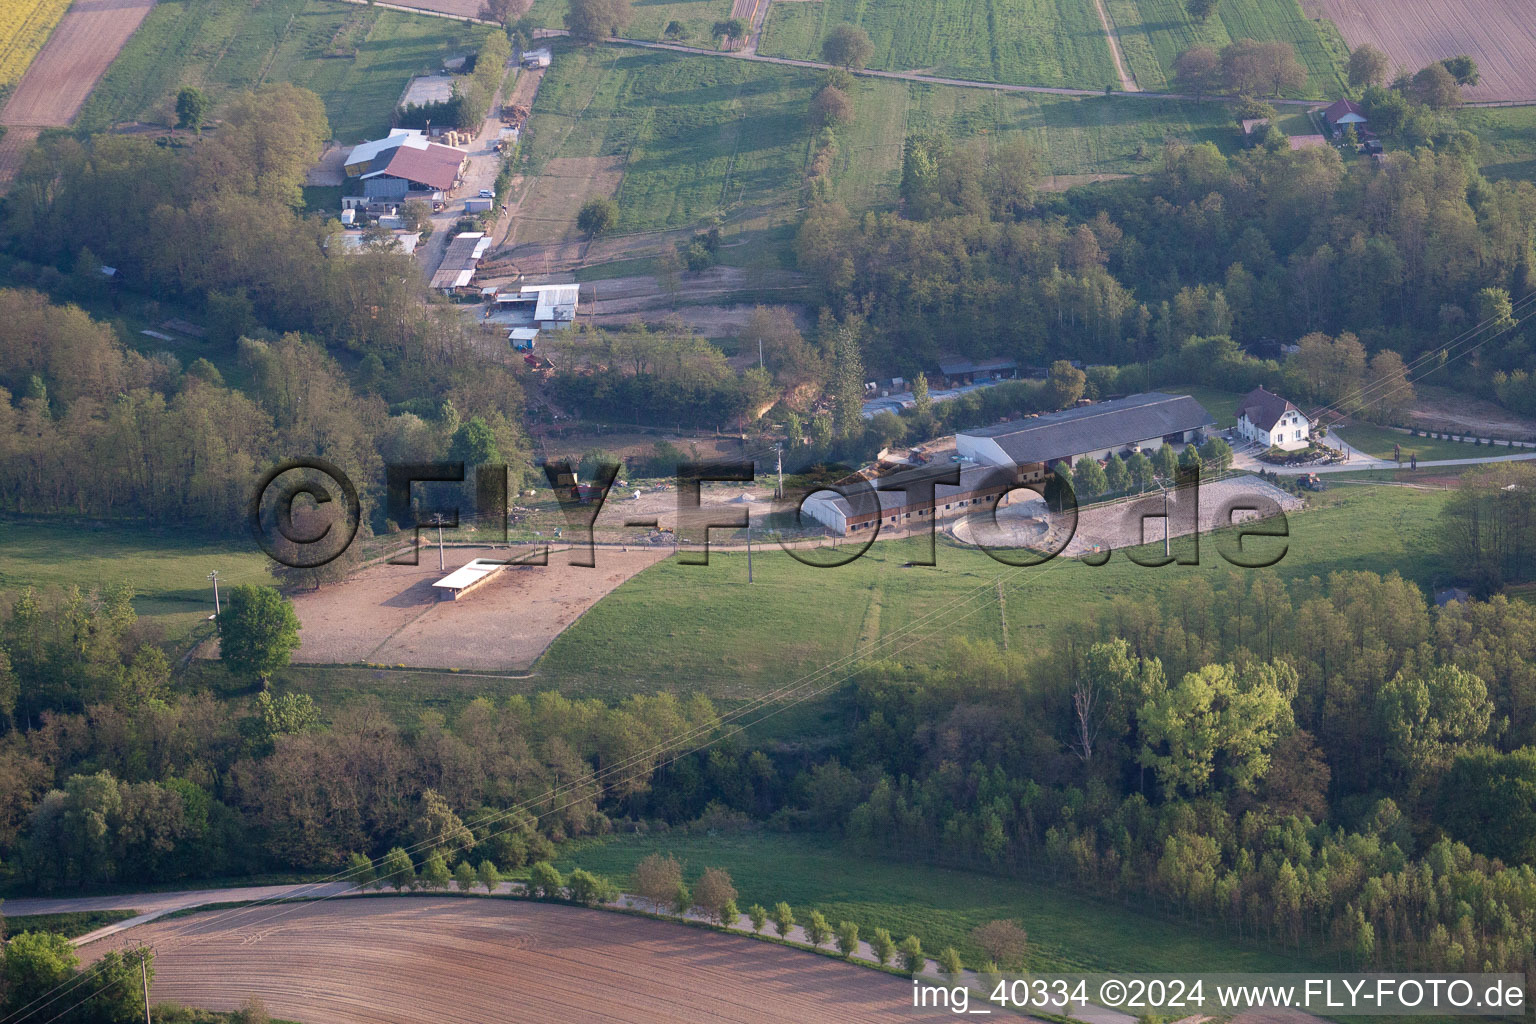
point(1127, 82)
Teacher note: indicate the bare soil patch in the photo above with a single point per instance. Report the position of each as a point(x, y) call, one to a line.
point(1436, 407)
point(404, 960)
point(1499, 34)
point(1119, 526)
point(68, 66)
point(548, 211)
point(462, 8)
point(330, 168)
point(391, 615)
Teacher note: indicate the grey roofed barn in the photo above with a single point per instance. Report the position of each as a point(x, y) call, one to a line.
point(865, 500)
point(1092, 428)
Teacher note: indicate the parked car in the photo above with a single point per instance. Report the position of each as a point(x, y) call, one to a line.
point(487, 193)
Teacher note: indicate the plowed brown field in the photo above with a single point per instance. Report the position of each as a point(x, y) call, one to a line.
point(65, 70)
point(462, 8)
point(1499, 34)
point(461, 961)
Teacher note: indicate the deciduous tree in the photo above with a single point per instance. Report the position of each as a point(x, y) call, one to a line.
point(258, 631)
point(1367, 66)
point(847, 46)
point(594, 20)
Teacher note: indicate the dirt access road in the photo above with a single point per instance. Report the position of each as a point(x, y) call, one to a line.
point(483, 167)
point(403, 960)
point(64, 72)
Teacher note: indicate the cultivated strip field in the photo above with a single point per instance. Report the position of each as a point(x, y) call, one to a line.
point(24, 26)
point(1500, 34)
point(1028, 42)
point(66, 69)
point(1153, 33)
point(414, 959)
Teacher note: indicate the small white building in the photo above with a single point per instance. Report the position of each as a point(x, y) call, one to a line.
point(1263, 417)
point(466, 578)
point(523, 338)
point(554, 304)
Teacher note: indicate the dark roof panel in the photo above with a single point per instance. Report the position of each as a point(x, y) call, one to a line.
point(1263, 408)
point(1090, 428)
point(865, 500)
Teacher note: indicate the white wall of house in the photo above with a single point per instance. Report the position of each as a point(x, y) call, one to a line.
point(1292, 432)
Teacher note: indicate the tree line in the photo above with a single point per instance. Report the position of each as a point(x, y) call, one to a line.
point(1263, 247)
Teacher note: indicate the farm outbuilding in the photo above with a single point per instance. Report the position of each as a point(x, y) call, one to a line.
point(554, 304)
point(1096, 431)
point(467, 577)
point(460, 261)
point(404, 161)
point(892, 507)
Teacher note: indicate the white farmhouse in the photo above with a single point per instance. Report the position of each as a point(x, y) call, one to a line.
point(1265, 418)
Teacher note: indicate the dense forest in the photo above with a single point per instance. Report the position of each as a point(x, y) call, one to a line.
point(328, 353)
point(1332, 763)
point(1265, 247)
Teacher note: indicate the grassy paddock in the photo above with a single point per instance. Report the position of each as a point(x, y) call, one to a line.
point(694, 135)
point(689, 627)
point(1066, 931)
point(1508, 137)
point(1154, 32)
point(649, 18)
point(167, 568)
point(1074, 136)
point(1026, 42)
point(357, 59)
point(1378, 441)
point(1219, 403)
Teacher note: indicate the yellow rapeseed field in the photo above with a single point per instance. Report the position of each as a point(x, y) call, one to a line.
point(24, 27)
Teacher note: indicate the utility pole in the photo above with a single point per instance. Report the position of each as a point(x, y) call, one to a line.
point(1002, 614)
point(437, 521)
point(759, 353)
point(144, 976)
point(749, 547)
point(215, 577)
point(1167, 549)
point(779, 453)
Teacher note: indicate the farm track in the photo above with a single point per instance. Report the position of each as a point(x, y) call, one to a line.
point(1127, 81)
point(456, 961)
point(1500, 34)
point(913, 76)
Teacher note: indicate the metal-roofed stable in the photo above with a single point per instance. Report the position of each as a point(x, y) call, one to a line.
point(467, 577)
point(1093, 430)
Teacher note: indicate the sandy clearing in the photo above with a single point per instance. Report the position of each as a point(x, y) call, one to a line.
point(1442, 409)
point(65, 71)
point(390, 614)
point(1121, 525)
point(1500, 34)
point(455, 961)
